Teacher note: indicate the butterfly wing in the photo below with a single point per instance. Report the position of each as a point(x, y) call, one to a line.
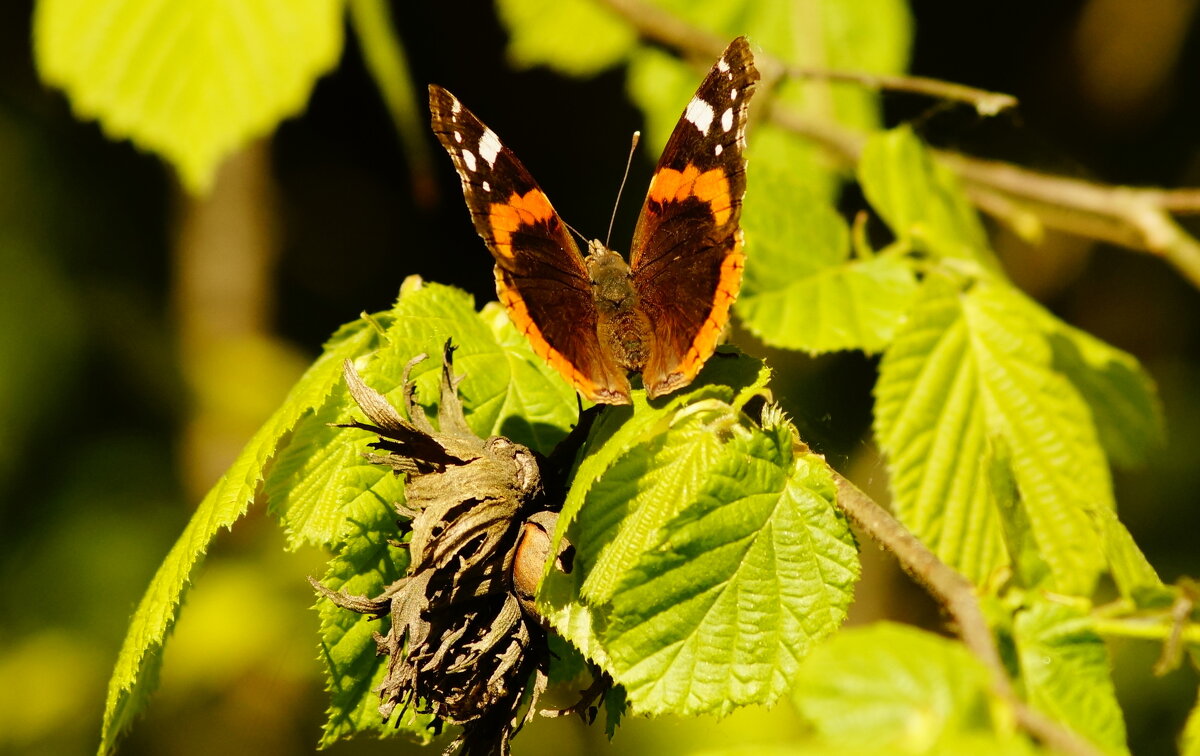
point(686, 256)
point(540, 275)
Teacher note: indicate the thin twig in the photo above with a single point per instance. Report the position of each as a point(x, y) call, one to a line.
point(1132, 217)
point(662, 26)
point(958, 596)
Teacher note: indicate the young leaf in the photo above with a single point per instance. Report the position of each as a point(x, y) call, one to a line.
point(132, 678)
point(921, 201)
point(802, 290)
point(894, 689)
point(757, 566)
point(970, 365)
point(574, 37)
point(1066, 673)
point(190, 80)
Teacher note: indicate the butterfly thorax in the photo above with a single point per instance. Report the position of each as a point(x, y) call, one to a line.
point(622, 327)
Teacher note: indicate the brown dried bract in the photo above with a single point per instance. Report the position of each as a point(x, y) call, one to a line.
point(465, 642)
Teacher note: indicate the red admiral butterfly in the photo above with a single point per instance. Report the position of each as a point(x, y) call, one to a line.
point(596, 319)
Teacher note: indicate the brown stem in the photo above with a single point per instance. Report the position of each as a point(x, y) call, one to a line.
point(1136, 218)
point(661, 26)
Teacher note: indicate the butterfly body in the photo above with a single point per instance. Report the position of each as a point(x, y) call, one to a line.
point(598, 318)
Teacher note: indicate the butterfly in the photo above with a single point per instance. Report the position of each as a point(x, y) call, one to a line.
point(595, 319)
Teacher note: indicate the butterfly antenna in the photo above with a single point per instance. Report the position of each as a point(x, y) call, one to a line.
point(628, 162)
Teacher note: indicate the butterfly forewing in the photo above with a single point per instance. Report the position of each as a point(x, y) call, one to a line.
point(540, 274)
point(686, 257)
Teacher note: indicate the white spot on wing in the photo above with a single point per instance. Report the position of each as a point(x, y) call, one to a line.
point(733, 94)
point(718, 149)
point(488, 187)
point(727, 119)
point(469, 159)
point(458, 137)
point(489, 146)
point(700, 114)
point(455, 106)
point(722, 66)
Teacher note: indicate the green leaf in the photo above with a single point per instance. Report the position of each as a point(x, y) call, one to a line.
point(574, 37)
point(1065, 672)
point(190, 80)
point(132, 678)
point(365, 565)
point(506, 389)
point(1190, 741)
point(1121, 395)
point(969, 366)
point(736, 588)
point(1136, 579)
point(1030, 570)
point(802, 290)
point(920, 200)
point(687, 503)
point(889, 688)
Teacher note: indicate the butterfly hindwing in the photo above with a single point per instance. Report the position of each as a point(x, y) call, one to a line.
point(540, 275)
point(686, 257)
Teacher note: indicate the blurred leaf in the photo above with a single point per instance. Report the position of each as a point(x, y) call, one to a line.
point(1065, 671)
point(1190, 740)
point(133, 676)
point(190, 80)
point(802, 290)
point(39, 361)
point(889, 688)
point(921, 201)
point(574, 37)
point(969, 365)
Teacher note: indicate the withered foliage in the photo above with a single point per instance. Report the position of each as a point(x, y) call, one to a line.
point(465, 642)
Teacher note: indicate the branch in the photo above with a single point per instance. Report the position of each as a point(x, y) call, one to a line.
point(661, 26)
point(1135, 218)
point(957, 595)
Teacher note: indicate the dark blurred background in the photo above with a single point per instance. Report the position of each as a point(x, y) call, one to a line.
point(144, 335)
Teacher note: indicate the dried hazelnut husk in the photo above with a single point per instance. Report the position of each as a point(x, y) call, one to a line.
point(466, 643)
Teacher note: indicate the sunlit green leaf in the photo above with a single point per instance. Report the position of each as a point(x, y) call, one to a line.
point(189, 79)
point(1121, 395)
point(576, 37)
point(1066, 672)
point(756, 567)
point(969, 365)
point(366, 564)
point(920, 200)
point(802, 290)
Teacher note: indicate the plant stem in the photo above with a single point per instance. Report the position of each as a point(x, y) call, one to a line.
point(1132, 217)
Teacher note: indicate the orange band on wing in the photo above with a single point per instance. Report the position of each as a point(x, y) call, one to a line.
point(518, 312)
point(711, 187)
point(705, 342)
point(520, 210)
